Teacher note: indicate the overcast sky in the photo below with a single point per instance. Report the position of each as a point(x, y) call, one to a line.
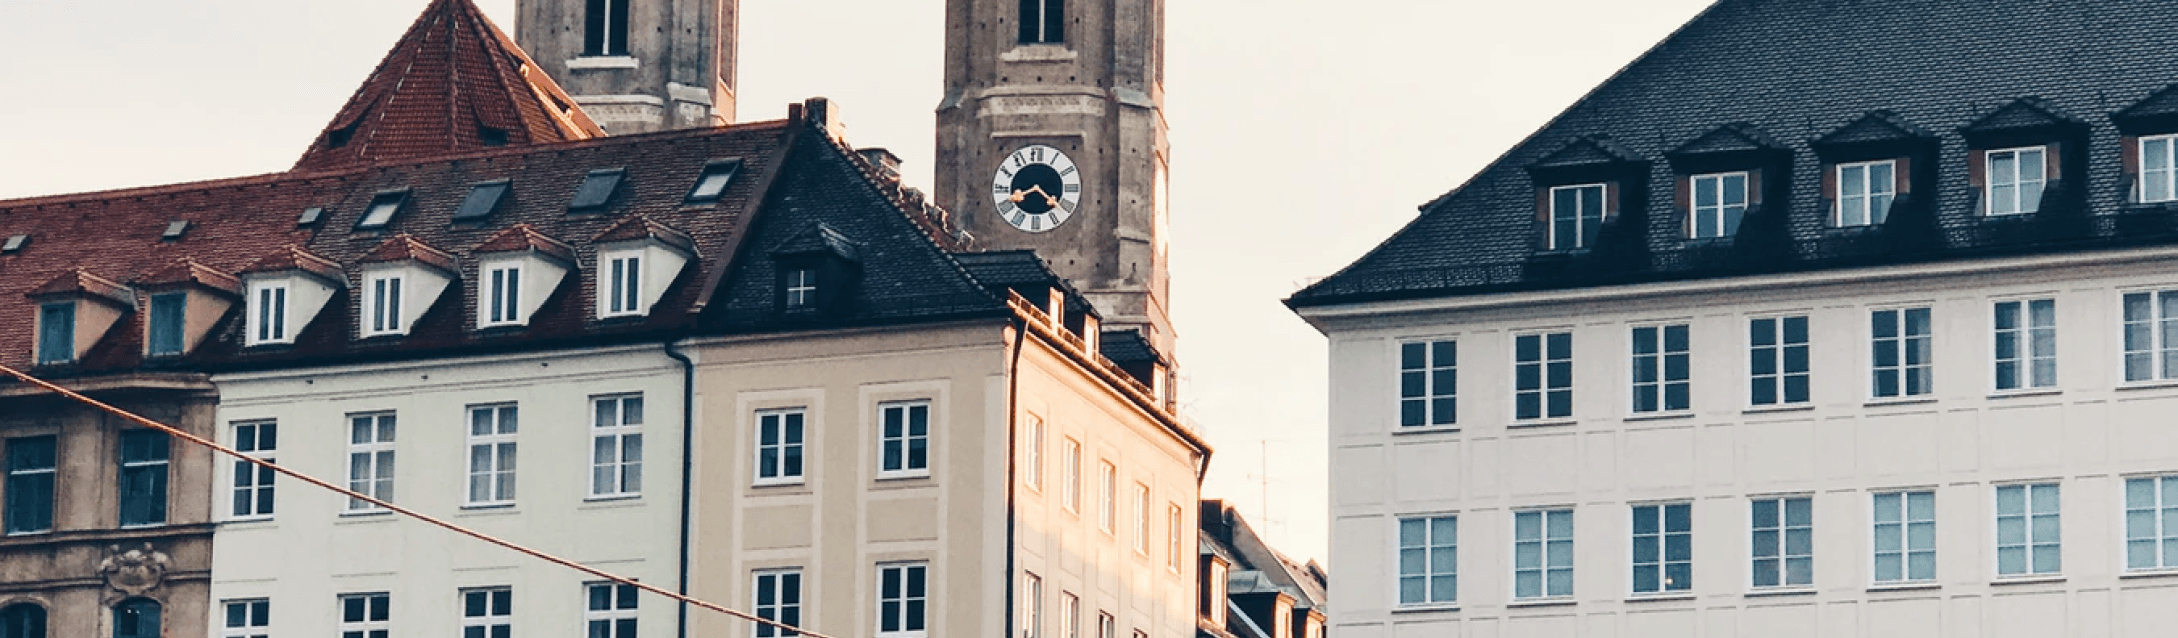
point(1303, 133)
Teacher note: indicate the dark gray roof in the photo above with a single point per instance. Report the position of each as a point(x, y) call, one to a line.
point(1022, 271)
point(1811, 77)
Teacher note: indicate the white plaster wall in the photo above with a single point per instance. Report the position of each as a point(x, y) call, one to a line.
point(2088, 436)
point(310, 552)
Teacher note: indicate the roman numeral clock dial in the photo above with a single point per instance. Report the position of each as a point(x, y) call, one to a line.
point(1037, 188)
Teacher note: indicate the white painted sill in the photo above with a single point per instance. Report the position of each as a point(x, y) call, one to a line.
point(2148, 385)
point(2027, 580)
point(1038, 53)
point(1660, 597)
point(1660, 416)
point(1904, 586)
point(604, 62)
point(1796, 590)
point(1783, 407)
point(903, 476)
point(1432, 608)
point(1886, 402)
point(1557, 601)
point(780, 482)
point(1542, 423)
point(1419, 430)
point(611, 498)
point(2025, 393)
point(2164, 572)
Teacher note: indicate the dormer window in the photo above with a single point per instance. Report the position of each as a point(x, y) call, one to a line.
point(268, 313)
point(2159, 168)
point(801, 288)
point(1214, 591)
point(1720, 202)
point(596, 190)
point(636, 260)
point(1576, 215)
point(382, 210)
point(716, 176)
point(167, 323)
point(2016, 177)
point(481, 201)
point(501, 296)
point(382, 304)
point(1865, 192)
point(623, 287)
point(56, 332)
point(1583, 187)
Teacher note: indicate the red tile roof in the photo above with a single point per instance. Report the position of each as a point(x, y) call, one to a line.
point(188, 271)
point(82, 282)
point(453, 83)
point(643, 227)
point(295, 258)
point(521, 237)
point(405, 247)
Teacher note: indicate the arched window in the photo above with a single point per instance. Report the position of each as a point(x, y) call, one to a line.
point(22, 620)
point(136, 618)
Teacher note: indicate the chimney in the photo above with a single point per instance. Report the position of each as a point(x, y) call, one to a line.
point(824, 113)
point(888, 164)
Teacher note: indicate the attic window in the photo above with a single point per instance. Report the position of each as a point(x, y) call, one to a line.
point(597, 188)
point(1576, 216)
point(716, 176)
point(310, 216)
point(337, 138)
point(482, 200)
point(491, 136)
point(174, 229)
point(57, 333)
point(15, 244)
point(381, 210)
point(801, 288)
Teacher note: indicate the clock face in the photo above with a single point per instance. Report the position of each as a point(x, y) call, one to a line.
point(1037, 188)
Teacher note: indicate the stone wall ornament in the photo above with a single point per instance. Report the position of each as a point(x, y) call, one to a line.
point(134, 572)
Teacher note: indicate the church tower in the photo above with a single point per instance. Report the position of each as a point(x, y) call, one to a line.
point(1051, 137)
point(637, 65)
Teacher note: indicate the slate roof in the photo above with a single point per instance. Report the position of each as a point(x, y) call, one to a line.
point(453, 83)
point(1799, 72)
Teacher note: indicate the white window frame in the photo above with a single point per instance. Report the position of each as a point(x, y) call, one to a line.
point(1070, 494)
point(1661, 358)
point(1427, 550)
point(1718, 185)
point(1108, 475)
point(269, 319)
point(1174, 523)
point(906, 439)
point(2165, 492)
point(2032, 497)
point(1032, 605)
point(1868, 199)
point(2015, 195)
point(1032, 453)
point(252, 485)
point(499, 446)
point(1069, 615)
point(1544, 540)
point(367, 628)
point(2029, 349)
point(1783, 529)
point(614, 612)
point(2162, 185)
point(499, 295)
point(780, 607)
point(379, 453)
point(1662, 537)
point(907, 572)
point(1778, 353)
point(1219, 571)
point(801, 288)
point(1579, 217)
point(2158, 353)
point(1542, 365)
point(1902, 530)
point(778, 419)
point(1901, 345)
point(379, 316)
point(620, 284)
point(256, 618)
point(1107, 626)
point(1426, 379)
point(490, 619)
point(617, 439)
point(1141, 519)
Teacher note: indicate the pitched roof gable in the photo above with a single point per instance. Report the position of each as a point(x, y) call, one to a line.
point(2023, 113)
point(641, 227)
point(81, 282)
point(526, 238)
point(1588, 150)
point(297, 259)
point(405, 247)
point(454, 82)
point(1737, 137)
point(1876, 126)
point(188, 271)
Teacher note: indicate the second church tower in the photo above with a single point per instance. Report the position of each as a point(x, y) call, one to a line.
point(637, 65)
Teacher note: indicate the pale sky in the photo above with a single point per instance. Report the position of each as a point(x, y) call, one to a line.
point(1303, 133)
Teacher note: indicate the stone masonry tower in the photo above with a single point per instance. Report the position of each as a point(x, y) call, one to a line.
point(637, 65)
point(1051, 137)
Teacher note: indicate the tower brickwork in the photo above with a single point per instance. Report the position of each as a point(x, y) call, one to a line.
point(637, 65)
point(1029, 80)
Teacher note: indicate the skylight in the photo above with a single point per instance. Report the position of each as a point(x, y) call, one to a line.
point(482, 200)
point(381, 211)
point(716, 176)
point(597, 188)
point(174, 229)
point(310, 216)
point(15, 244)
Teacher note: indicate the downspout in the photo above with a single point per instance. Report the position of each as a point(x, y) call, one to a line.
point(688, 462)
point(1013, 430)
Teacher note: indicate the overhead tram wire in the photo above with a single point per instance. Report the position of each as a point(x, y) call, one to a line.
point(570, 564)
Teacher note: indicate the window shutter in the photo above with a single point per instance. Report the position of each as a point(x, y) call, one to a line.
point(166, 322)
point(57, 333)
point(1542, 218)
point(2129, 167)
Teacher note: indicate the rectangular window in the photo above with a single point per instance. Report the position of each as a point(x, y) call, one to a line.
point(366, 615)
point(605, 29)
point(1543, 554)
point(1777, 360)
point(1865, 191)
point(1576, 216)
point(1141, 519)
point(712, 184)
point(1784, 541)
point(1107, 480)
point(1070, 498)
point(370, 459)
point(2158, 168)
point(491, 454)
point(487, 612)
point(597, 186)
point(1661, 369)
point(2026, 344)
point(30, 485)
point(502, 295)
point(481, 201)
point(779, 446)
point(623, 287)
point(1428, 383)
point(801, 288)
point(143, 477)
point(1904, 361)
point(1174, 525)
point(611, 610)
point(1043, 21)
point(1663, 548)
point(381, 211)
point(778, 599)
point(2151, 335)
point(1428, 561)
point(1905, 537)
point(2015, 180)
point(246, 619)
point(252, 482)
point(57, 333)
point(904, 445)
point(1032, 453)
point(169, 316)
point(1720, 202)
point(2151, 523)
point(616, 446)
point(1069, 615)
point(1107, 627)
point(382, 305)
point(2028, 530)
point(1032, 605)
point(268, 314)
point(1543, 376)
point(902, 601)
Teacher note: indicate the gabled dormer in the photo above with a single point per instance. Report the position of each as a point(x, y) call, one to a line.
point(75, 310)
point(636, 259)
point(517, 269)
point(284, 292)
point(819, 269)
point(186, 299)
point(2023, 155)
point(402, 278)
point(1874, 166)
point(1722, 176)
point(2148, 147)
point(1582, 187)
